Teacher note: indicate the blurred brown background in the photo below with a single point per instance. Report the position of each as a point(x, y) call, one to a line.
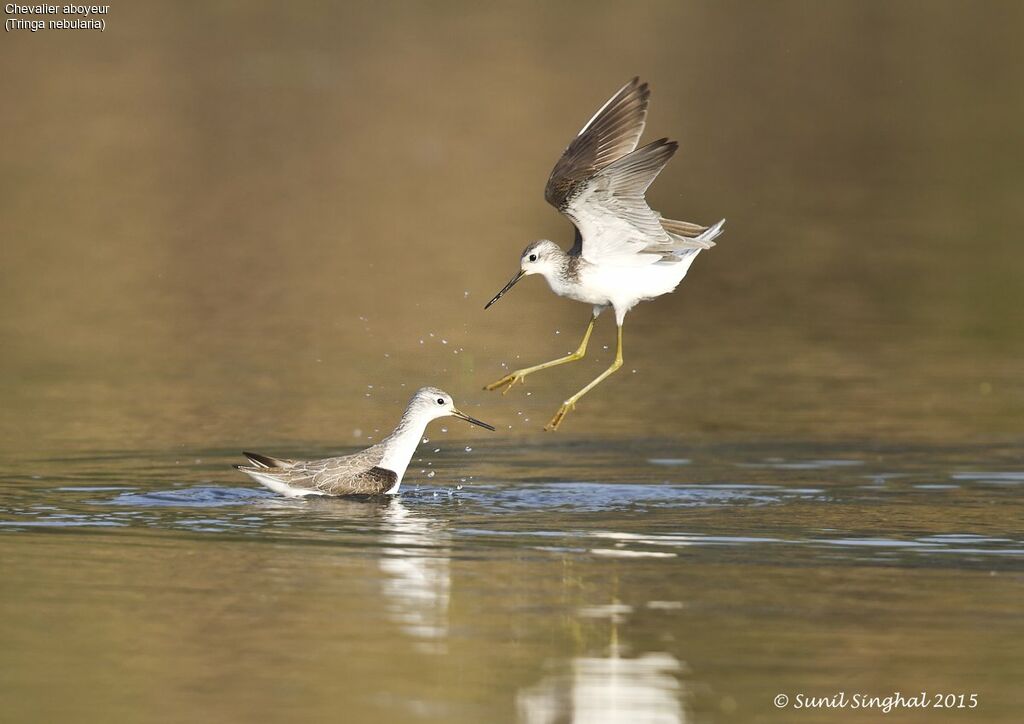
point(222, 222)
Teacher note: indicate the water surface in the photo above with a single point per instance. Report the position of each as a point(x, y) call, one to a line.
point(605, 582)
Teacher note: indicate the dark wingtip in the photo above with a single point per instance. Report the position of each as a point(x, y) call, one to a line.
point(262, 461)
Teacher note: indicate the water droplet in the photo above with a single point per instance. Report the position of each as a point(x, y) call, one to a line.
point(444, 429)
point(458, 487)
point(444, 341)
point(469, 449)
point(437, 449)
point(430, 474)
point(426, 440)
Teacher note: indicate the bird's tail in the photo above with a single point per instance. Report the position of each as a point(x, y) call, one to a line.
point(687, 236)
point(709, 235)
point(686, 248)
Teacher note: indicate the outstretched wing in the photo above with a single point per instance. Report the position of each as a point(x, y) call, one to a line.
point(615, 223)
point(600, 181)
point(613, 132)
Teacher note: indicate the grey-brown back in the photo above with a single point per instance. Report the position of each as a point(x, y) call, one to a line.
point(355, 474)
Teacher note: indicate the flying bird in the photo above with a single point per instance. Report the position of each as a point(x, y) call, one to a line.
point(624, 251)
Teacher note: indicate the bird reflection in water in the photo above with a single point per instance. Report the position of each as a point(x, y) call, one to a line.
point(612, 689)
point(416, 561)
point(415, 557)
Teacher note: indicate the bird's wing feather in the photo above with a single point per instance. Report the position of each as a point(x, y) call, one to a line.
point(614, 221)
point(683, 228)
point(374, 481)
point(609, 135)
point(265, 461)
point(342, 475)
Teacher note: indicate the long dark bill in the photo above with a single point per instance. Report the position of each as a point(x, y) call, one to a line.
point(472, 420)
point(519, 275)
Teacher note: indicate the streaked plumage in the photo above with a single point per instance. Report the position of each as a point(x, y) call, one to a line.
point(377, 470)
point(624, 251)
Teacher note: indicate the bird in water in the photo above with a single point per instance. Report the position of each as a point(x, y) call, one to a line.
point(377, 470)
point(624, 252)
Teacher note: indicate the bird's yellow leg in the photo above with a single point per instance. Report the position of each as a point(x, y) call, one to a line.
point(510, 379)
point(570, 404)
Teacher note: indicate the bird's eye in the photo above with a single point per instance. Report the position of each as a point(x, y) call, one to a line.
point(440, 400)
point(533, 257)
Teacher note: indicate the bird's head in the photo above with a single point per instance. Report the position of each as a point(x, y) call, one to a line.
point(540, 257)
point(432, 403)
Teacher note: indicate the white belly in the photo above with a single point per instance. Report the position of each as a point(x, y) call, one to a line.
point(624, 286)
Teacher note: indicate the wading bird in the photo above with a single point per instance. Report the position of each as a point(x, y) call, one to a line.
point(377, 470)
point(624, 252)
